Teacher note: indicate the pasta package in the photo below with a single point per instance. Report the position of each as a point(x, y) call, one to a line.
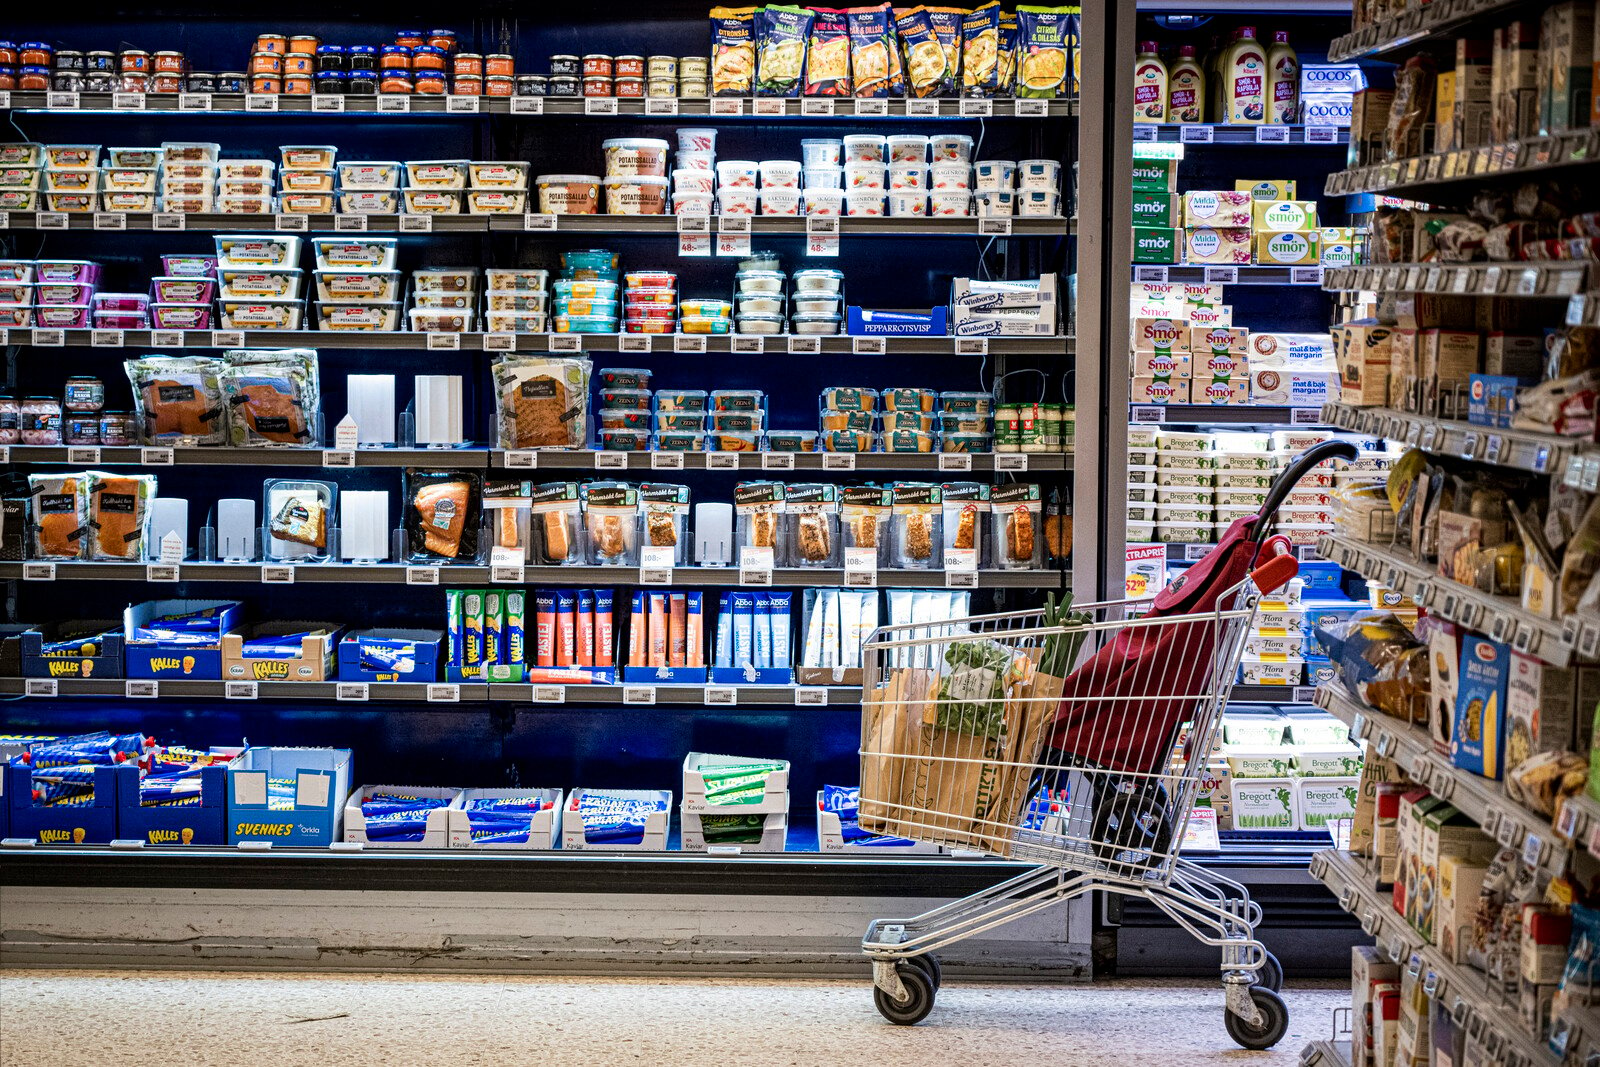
point(781, 36)
point(118, 508)
point(272, 397)
point(179, 399)
point(733, 50)
point(828, 55)
point(1006, 62)
point(542, 403)
point(442, 514)
point(60, 515)
point(925, 59)
point(946, 23)
point(980, 50)
point(1047, 52)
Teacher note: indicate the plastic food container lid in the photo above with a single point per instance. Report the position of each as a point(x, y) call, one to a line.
point(634, 142)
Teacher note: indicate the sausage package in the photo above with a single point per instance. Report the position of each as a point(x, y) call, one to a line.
point(273, 397)
point(733, 50)
point(442, 514)
point(925, 60)
point(980, 50)
point(875, 52)
point(966, 513)
point(1047, 51)
point(813, 524)
point(1016, 535)
point(179, 399)
point(542, 403)
point(60, 515)
point(782, 33)
point(611, 515)
point(918, 542)
point(864, 518)
point(119, 505)
point(664, 516)
point(828, 55)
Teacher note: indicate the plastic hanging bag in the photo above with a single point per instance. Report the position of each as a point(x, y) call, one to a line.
point(179, 400)
point(273, 398)
point(542, 403)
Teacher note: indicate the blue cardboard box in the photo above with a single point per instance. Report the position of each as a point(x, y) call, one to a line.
point(94, 823)
point(1329, 612)
point(1478, 741)
point(205, 823)
point(664, 675)
point(162, 659)
point(390, 656)
point(1491, 399)
point(1322, 578)
point(752, 675)
point(314, 815)
point(864, 322)
point(108, 664)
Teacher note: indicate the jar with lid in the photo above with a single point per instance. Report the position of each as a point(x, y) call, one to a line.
point(361, 57)
point(694, 68)
point(81, 429)
point(10, 420)
point(563, 86)
point(297, 84)
point(499, 85)
point(303, 44)
point(272, 42)
point(466, 63)
point(662, 67)
point(266, 84)
point(99, 61)
point(596, 65)
point(445, 39)
point(133, 81)
point(99, 81)
point(395, 57)
point(136, 60)
point(565, 66)
point(8, 78)
point(266, 63)
point(35, 79)
point(9, 53)
point(628, 67)
point(36, 54)
point(230, 81)
point(299, 63)
point(165, 83)
point(499, 65)
point(410, 38)
point(430, 82)
point(330, 57)
point(597, 87)
point(533, 85)
point(116, 429)
point(630, 88)
point(201, 82)
point(65, 60)
point(64, 81)
point(427, 57)
point(332, 82)
point(361, 83)
point(168, 62)
point(41, 420)
point(394, 81)
point(468, 85)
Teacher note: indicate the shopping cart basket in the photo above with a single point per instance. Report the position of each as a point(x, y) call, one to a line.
point(978, 735)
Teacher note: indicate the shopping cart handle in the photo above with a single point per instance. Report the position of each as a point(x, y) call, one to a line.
point(1279, 568)
point(1318, 453)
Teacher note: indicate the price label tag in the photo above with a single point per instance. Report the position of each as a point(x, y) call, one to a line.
point(356, 691)
point(811, 694)
point(458, 104)
point(777, 461)
point(194, 101)
point(638, 694)
point(156, 457)
point(977, 108)
point(695, 244)
point(1221, 275)
point(444, 342)
point(1528, 282)
point(1305, 275)
point(277, 574)
point(327, 102)
point(566, 342)
point(167, 220)
point(444, 694)
point(733, 242)
point(755, 566)
point(871, 106)
point(1272, 135)
point(655, 565)
point(533, 105)
point(1031, 108)
point(1195, 552)
point(1011, 461)
point(804, 346)
point(740, 344)
point(227, 338)
point(767, 105)
point(816, 105)
point(610, 461)
point(823, 225)
point(525, 458)
point(920, 108)
point(1469, 446)
point(506, 573)
point(499, 342)
point(350, 223)
point(822, 245)
point(1148, 413)
point(661, 105)
point(394, 102)
point(141, 689)
point(261, 101)
point(995, 227)
point(161, 572)
point(689, 342)
point(167, 338)
point(1144, 132)
point(1305, 416)
point(972, 346)
point(106, 338)
point(38, 572)
point(861, 567)
point(417, 223)
point(549, 694)
point(1149, 273)
point(338, 457)
point(1205, 134)
point(960, 579)
point(1591, 474)
point(239, 691)
point(955, 461)
point(727, 106)
point(39, 687)
point(694, 223)
point(961, 559)
point(61, 101)
point(49, 338)
point(720, 461)
point(295, 223)
point(666, 461)
point(720, 694)
point(110, 220)
point(838, 461)
point(422, 575)
point(50, 220)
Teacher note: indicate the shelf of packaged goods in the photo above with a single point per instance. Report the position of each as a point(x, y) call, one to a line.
point(1226, 414)
point(1513, 159)
point(659, 107)
point(1555, 641)
point(708, 696)
point(455, 575)
point(1326, 1054)
point(1482, 1008)
point(1517, 449)
point(585, 459)
point(1438, 21)
point(1240, 274)
point(1547, 280)
point(558, 343)
point(595, 225)
point(1216, 133)
point(1273, 694)
point(1481, 799)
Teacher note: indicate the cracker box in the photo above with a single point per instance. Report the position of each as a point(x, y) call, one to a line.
point(1414, 806)
point(1288, 248)
point(1216, 209)
point(1446, 831)
point(1540, 706)
point(1516, 87)
point(1363, 363)
point(1208, 244)
point(1515, 355)
point(1157, 244)
point(1477, 742)
point(1566, 57)
point(1283, 216)
point(1368, 969)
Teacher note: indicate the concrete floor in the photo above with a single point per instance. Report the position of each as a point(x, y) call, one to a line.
point(285, 1020)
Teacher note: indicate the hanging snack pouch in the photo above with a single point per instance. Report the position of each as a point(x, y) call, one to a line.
point(60, 515)
point(1047, 52)
point(1016, 534)
point(179, 400)
point(118, 508)
point(828, 55)
point(272, 397)
point(442, 514)
point(781, 33)
point(665, 518)
point(299, 515)
point(864, 513)
point(918, 540)
point(733, 50)
point(874, 52)
point(611, 515)
point(1006, 62)
point(966, 512)
point(980, 50)
point(758, 508)
point(542, 403)
point(947, 24)
point(813, 522)
point(925, 59)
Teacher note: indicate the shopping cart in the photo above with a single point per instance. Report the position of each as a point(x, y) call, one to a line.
point(978, 735)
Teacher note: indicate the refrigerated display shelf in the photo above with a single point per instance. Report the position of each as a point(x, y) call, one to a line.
point(1415, 26)
point(1259, 134)
point(285, 573)
point(655, 107)
point(1440, 170)
point(410, 340)
point(1516, 449)
point(1461, 279)
point(1556, 641)
point(1226, 414)
point(598, 225)
point(1273, 694)
point(1241, 274)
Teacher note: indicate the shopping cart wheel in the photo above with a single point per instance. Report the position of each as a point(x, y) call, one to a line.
point(1274, 1021)
point(929, 963)
point(1270, 976)
point(920, 992)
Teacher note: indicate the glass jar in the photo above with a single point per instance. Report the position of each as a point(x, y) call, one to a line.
point(499, 65)
point(533, 85)
point(168, 62)
point(466, 63)
point(410, 38)
point(565, 66)
point(272, 42)
point(395, 57)
point(498, 85)
point(116, 429)
point(628, 67)
point(81, 430)
point(99, 81)
point(10, 420)
point(265, 83)
point(394, 81)
point(202, 82)
point(230, 81)
point(8, 78)
point(36, 54)
point(297, 84)
point(299, 63)
point(428, 58)
point(40, 421)
point(133, 81)
point(430, 83)
point(445, 39)
point(65, 59)
point(166, 83)
point(135, 59)
point(468, 85)
point(67, 81)
point(332, 82)
point(303, 44)
point(266, 63)
point(563, 86)
point(9, 53)
point(330, 57)
point(361, 57)
point(35, 79)
point(99, 61)
point(630, 87)
point(361, 83)
point(597, 87)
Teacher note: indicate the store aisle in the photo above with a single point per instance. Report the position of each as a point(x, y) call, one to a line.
point(285, 1020)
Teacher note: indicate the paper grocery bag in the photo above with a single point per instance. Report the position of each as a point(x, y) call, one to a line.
point(952, 783)
point(893, 716)
point(1029, 713)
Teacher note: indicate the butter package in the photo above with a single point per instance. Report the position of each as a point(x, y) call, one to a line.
point(1155, 175)
point(1293, 388)
point(1157, 244)
point(1229, 391)
point(1208, 315)
point(1288, 248)
point(1233, 340)
point(1221, 366)
point(1159, 391)
point(1477, 743)
point(1168, 365)
point(1157, 209)
point(1209, 245)
point(1156, 309)
point(1160, 335)
point(1280, 216)
point(1216, 208)
point(1279, 189)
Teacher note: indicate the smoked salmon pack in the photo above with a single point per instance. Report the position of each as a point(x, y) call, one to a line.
point(90, 515)
point(178, 400)
point(442, 509)
point(272, 397)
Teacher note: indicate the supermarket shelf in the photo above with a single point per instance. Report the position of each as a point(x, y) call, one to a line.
point(629, 225)
point(1482, 799)
point(1439, 170)
point(1326, 1054)
point(1218, 133)
point(1478, 1005)
point(585, 459)
point(1243, 274)
point(1225, 414)
point(1464, 279)
point(471, 574)
point(1517, 449)
point(1502, 618)
point(1273, 694)
point(458, 106)
point(710, 696)
point(404, 340)
point(1435, 21)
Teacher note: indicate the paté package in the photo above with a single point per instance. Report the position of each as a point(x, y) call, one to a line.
point(875, 52)
point(758, 508)
point(611, 517)
point(864, 519)
point(917, 538)
point(664, 516)
point(828, 56)
point(966, 512)
point(813, 523)
point(781, 35)
point(442, 514)
point(925, 61)
point(980, 50)
point(733, 50)
point(542, 403)
point(1017, 534)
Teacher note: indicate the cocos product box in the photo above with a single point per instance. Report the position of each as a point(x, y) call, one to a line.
point(1221, 209)
point(1290, 248)
point(1156, 244)
point(1460, 883)
point(1477, 743)
point(1515, 355)
point(1278, 189)
point(1325, 109)
point(1157, 209)
point(1283, 216)
point(1159, 391)
point(1209, 245)
point(1293, 388)
point(1160, 335)
point(1363, 363)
